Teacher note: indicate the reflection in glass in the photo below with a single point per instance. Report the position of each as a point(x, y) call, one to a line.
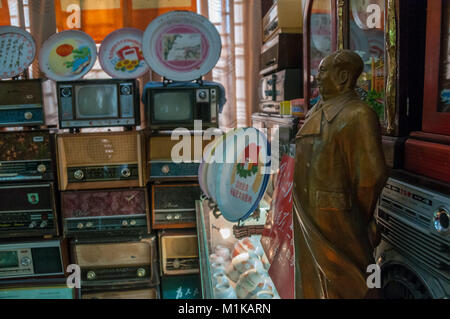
point(320, 41)
point(367, 39)
point(444, 67)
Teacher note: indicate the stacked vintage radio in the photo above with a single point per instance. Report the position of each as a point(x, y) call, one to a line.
point(280, 66)
point(103, 194)
point(33, 257)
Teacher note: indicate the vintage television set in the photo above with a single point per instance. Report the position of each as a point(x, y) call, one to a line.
point(98, 103)
point(179, 105)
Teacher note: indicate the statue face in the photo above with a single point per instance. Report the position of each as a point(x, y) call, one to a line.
point(326, 79)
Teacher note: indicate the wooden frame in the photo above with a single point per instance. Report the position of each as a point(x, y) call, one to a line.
point(432, 120)
point(307, 44)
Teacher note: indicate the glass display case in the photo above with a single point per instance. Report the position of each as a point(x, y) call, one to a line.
point(233, 264)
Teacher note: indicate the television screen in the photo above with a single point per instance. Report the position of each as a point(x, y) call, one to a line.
point(96, 101)
point(174, 106)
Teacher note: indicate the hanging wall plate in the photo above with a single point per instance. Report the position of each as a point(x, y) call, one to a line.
point(181, 45)
point(67, 55)
point(17, 51)
point(121, 56)
point(242, 179)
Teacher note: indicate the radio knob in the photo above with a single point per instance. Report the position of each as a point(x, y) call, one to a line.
point(32, 224)
point(41, 168)
point(202, 95)
point(26, 261)
point(141, 272)
point(126, 172)
point(78, 174)
point(43, 224)
point(176, 263)
point(89, 224)
point(125, 223)
point(169, 217)
point(91, 275)
point(441, 220)
point(28, 115)
point(165, 169)
point(132, 222)
point(177, 216)
point(80, 226)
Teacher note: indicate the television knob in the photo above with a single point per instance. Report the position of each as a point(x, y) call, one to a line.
point(141, 272)
point(202, 95)
point(66, 92)
point(165, 169)
point(32, 224)
point(43, 224)
point(132, 222)
point(126, 172)
point(26, 261)
point(80, 226)
point(79, 175)
point(125, 89)
point(91, 275)
point(28, 115)
point(41, 168)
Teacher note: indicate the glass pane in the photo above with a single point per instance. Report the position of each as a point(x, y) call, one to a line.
point(444, 67)
point(367, 39)
point(320, 41)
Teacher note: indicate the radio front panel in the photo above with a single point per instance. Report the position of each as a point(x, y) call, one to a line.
point(27, 210)
point(178, 253)
point(34, 259)
point(117, 103)
point(122, 263)
point(100, 160)
point(21, 103)
point(148, 293)
point(173, 206)
point(50, 291)
point(105, 212)
point(26, 156)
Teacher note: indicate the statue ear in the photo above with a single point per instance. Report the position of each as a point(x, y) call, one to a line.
point(343, 77)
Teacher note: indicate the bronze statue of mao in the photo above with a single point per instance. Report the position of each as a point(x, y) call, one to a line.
point(339, 174)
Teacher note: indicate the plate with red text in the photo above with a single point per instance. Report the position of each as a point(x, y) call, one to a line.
point(17, 51)
point(121, 55)
point(181, 45)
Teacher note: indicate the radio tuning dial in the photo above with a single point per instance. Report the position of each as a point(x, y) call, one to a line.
point(91, 275)
point(26, 261)
point(140, 272)
point(126, 172)
point(79, 175)
point(41, 168)
point(28, 115)
point(176, 263)
point(165, 169)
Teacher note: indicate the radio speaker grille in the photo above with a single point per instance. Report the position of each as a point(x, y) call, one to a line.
point(180, 246)
point(97, 149)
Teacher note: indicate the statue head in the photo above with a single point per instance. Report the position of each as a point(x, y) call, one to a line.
point(338, 73)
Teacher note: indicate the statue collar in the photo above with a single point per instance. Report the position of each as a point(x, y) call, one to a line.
point(330, 109)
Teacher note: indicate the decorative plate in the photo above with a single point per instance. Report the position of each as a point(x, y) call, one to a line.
point(17, 51)
point(181, 45)
point(121, 56)
point(242, 178)
point(67, 55)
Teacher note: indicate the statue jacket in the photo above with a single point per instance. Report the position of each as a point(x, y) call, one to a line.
point(339, 173)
